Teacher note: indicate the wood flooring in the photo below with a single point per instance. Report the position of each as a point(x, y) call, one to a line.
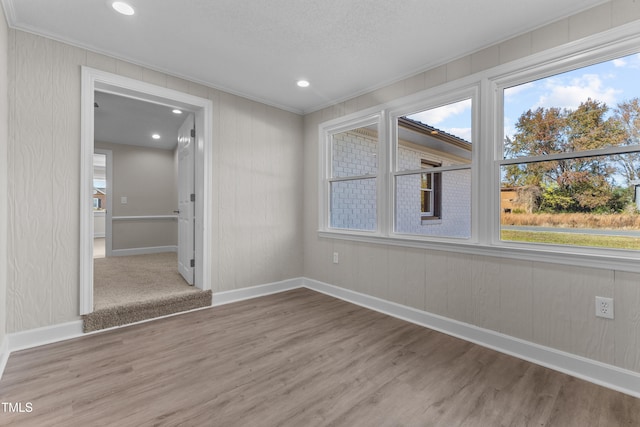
point(297, 358)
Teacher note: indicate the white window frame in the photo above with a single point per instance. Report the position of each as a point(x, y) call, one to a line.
point(569, 62)
point(431, 192)
point(487, 116)
point(326, 133)
point(429, 100)
point(386, 116)
point(428, 194)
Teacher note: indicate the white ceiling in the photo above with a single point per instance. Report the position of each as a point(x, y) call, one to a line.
point(259, 49)
point(128, 121)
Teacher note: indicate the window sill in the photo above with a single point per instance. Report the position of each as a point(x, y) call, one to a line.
point(565, 255)
point(430, 220)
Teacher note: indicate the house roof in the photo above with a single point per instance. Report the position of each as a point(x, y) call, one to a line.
point(434, 132)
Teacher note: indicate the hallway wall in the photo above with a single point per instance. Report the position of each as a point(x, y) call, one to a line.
point(257, 182)
point(4, 132)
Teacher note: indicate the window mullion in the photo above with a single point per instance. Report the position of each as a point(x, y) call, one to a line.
point(433, 170)
point(384, 165)
point(625, 149)
point(353, 178)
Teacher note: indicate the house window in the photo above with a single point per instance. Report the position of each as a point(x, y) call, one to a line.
point(571, 158)
point(414, 179)
point(547, 170)
point(432, 171)
point(430, 191)
point(353, 177)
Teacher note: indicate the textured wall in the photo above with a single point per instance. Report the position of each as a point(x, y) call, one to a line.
point(257, 182)
point(543, 303)
point(147, 178)
point(4, 126)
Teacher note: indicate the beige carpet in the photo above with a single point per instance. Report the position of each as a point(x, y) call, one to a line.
point(133, 288)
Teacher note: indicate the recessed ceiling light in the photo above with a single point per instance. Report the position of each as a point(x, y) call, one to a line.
point(176, 111)
point(123, 8)
point(155, 136)
point(303, 83)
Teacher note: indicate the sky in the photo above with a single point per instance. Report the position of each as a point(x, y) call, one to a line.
point(610, 82)
point(452, 118)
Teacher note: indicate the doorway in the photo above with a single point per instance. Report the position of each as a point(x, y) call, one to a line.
point(95, 80)
point(102, 202)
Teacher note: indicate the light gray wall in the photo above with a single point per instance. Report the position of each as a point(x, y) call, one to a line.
point(257, 182)
point(548, 304)
point(4, 132)
point(147, 178)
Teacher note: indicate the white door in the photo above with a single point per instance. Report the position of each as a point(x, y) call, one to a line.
point(186, 199)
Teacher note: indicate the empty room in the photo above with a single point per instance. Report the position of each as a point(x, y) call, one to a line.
point(305, 213)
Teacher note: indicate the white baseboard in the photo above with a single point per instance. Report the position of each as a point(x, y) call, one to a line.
point(45, 335)
point(4, 355)
point(609, 376)
point(143, 251)
point(64, 331)
point(227, 297)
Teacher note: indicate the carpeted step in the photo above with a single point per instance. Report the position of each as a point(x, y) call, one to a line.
point(137, 311)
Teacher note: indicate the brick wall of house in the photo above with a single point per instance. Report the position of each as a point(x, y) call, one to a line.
point(456, 198)
point(353, 203)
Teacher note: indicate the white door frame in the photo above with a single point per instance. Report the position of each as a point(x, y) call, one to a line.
point(102, 81)
point(108, 243)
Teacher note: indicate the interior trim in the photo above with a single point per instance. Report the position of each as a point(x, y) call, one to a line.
point(609, 376)
point(565, 255)
point(227, 297)
point(144, 251)
point(603, 374)
point(4, 354)
point(97, 80)
point(143, 217)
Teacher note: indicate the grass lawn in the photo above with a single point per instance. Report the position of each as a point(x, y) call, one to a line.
point(616, 242)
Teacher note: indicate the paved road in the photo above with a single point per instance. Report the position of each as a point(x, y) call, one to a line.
point(600, 231)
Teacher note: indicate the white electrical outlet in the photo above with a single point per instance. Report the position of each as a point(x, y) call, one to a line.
point(335, 257)
point(604, 307)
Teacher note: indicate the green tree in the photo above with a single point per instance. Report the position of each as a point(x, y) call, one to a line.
point(576, 184)
point(628, 115)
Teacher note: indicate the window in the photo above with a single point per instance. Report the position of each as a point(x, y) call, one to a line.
point(545, 168)
point(571, 158)
point(353, 182)
point(435, 202)
point(430, 191)
point(414, 180)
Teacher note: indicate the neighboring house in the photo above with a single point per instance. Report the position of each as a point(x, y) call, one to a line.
point(431, 203)
point(99, 199)
point(508, 197)
point(519, 199)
